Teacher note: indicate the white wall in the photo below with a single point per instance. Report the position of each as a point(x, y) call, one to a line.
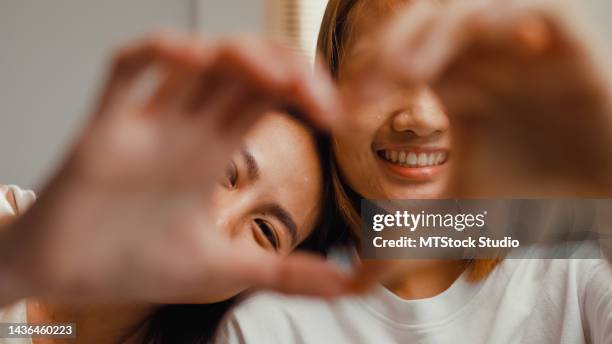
point(52, 56)
point(222, 17)
point(599, 11)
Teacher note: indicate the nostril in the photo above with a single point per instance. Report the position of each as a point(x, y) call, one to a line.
point(402, 122)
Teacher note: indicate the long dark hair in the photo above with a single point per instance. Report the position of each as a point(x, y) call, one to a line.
point(197, 323)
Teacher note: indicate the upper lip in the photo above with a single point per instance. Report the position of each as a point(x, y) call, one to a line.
point(410, 148)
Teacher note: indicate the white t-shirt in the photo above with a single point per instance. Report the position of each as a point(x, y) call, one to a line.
point(522, 301)
point(14, 201)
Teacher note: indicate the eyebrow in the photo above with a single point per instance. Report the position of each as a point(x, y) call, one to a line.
point(251, 163)
point(284, 217)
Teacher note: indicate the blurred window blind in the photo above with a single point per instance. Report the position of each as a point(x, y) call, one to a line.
point(295, 23)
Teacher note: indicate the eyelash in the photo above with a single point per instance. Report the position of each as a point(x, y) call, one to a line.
point(268, 232)
point(265, 229)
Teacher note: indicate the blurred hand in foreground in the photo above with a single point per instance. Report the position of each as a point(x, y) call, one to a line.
point(526, 87)
point(123, 218)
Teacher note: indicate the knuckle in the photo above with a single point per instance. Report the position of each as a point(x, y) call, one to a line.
point(231, 47)
point(121, 55)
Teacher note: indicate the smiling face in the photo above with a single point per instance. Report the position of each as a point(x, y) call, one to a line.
point(272, 187)
point(271, 193)
point(399, 145)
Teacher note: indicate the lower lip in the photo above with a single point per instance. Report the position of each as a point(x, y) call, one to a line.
point(416, 174)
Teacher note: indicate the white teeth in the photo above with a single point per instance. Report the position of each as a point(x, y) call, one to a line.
point(422, 159)
point(413, 159)
point(402, 157)
point(431, 158)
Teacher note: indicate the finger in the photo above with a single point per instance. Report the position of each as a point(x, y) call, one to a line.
point(131, 62)
point(316, 95)
point(533, 35)
point(248, 110)
point(170, 93)
point(292, 274)
point(219, 101)
point(181, 74)
point(295, 275)
point(405, 33)
point(223, 112)
point(561, 21)
point(491, 27)
point(465, 99)
point(226, 86)
point(453, 33)
point(280, 74)
point(228, 113)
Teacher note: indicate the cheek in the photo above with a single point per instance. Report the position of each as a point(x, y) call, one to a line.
point(364, 125)
point(359, 168)
point(351, 154)
point(355, 141)
point(353, 159)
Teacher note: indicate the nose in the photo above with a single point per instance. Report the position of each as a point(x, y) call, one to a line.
point(423, 116)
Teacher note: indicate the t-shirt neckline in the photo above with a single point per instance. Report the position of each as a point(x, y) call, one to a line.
point(422, 311)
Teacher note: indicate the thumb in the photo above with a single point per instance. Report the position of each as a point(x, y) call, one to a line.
point(298, 273)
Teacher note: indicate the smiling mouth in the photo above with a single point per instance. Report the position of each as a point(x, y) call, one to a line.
point(413, 159)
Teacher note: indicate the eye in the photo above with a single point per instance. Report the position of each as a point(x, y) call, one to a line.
point(268, 233)
point(231, 176)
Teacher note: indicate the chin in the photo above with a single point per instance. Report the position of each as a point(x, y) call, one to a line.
point(425, 191)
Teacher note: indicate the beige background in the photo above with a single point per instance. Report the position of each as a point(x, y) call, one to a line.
point(53, 53)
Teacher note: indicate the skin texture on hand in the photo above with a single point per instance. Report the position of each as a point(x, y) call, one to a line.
point(123, 220)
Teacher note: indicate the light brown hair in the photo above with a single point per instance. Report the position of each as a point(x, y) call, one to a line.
point(337, 31)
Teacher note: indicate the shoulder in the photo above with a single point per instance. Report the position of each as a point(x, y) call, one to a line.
point(14, 200)
point(570, 269)
point(268, 318)
point(597, 283)
point(569, 297)
point(557, 280)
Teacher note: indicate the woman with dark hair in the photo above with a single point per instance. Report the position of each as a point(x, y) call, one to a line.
point(276, 196)
point(142, 215)
point(196, 323)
